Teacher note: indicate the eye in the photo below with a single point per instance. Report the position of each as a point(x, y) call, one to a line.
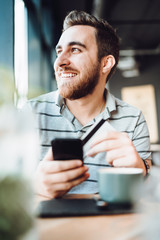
point(76, 50)
point(58, 52)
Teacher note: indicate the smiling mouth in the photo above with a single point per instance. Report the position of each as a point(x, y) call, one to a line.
point(68, 75)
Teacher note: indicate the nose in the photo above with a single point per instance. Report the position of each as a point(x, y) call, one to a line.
point(62, 60)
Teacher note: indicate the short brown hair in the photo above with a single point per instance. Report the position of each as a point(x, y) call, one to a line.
point(106, 37)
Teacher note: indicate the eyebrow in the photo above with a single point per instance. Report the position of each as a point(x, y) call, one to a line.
point(71, 44)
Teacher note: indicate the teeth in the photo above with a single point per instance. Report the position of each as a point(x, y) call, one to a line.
point(68, 75)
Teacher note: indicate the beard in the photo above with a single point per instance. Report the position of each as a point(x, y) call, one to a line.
point(82, 87)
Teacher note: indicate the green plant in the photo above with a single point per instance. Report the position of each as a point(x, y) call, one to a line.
point(15, 214)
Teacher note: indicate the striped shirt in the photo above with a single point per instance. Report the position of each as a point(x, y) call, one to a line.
point(55, 120)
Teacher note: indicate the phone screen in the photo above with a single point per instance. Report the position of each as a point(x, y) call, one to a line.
point(67, 148)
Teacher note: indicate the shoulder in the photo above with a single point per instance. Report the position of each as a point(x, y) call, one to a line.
point(45, 101)
point(126, 116)
point(45, 98)
point(117, 106)
point(126, 108)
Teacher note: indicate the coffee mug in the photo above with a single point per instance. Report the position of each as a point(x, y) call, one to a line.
point(120, 185)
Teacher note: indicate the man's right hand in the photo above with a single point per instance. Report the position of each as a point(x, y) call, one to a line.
point(55, 178)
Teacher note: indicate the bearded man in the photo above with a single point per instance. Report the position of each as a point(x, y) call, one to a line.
point(87, 55)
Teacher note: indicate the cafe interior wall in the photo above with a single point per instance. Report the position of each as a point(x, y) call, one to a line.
point(149, 74)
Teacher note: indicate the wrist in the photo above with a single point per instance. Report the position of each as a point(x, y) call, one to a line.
point(147, 166)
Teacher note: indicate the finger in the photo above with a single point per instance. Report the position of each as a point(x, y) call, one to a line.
point(59, 189)
point(66, 186)
point(60, 166)
point(115, 154)
point(104, 146)
point(65, 176)
point(122, 162)
point(128, 153)
point(49, 155)
point(110, 135)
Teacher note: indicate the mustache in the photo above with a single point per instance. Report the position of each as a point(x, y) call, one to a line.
point(61, 69)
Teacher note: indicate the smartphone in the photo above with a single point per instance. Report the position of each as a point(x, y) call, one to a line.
point(67, 148)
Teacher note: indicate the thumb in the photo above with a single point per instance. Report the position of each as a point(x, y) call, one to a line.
point(49, 155)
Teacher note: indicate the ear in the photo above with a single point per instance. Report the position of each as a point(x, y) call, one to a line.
point(107, 63)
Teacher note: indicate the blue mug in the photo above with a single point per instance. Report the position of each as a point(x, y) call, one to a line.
point(120, 185)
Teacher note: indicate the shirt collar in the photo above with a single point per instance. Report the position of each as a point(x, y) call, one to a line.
point(59, 101)
point(110, 103)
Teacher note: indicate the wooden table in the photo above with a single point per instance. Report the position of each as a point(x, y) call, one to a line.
point(109, 227)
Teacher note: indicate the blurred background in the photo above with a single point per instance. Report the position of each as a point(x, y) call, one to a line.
point(30, 29)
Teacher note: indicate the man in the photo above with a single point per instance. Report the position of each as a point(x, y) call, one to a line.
point(87, 55)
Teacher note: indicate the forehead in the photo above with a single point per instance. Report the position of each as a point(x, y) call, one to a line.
point(78, 33)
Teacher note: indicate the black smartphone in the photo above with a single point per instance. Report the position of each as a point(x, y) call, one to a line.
point(67, 148)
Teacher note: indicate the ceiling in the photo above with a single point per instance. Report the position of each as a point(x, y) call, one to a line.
point(137, 22)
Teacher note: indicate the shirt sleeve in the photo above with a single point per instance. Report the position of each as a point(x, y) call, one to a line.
point(141, 138)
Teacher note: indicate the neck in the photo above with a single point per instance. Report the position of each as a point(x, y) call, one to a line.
point(87, 108)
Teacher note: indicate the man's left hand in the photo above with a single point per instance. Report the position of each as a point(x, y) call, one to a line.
point(120, 150)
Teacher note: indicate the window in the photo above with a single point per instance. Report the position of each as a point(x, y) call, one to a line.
point(21, 52)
